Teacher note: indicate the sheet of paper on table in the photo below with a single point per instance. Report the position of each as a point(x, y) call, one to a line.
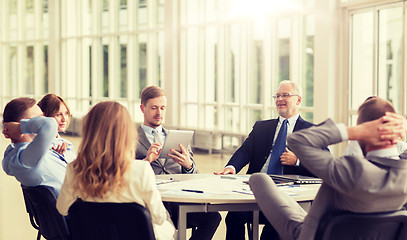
point(224, 184)
point(214, 185)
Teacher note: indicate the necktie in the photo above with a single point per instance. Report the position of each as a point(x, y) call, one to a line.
point(275, 166)
point(156, 136)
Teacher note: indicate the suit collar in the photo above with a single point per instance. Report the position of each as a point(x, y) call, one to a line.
point(142, 138)
point(299, 123)
point(384, 153)
point(393, 163)
point(150, 129)
point(381, 157)
point(291, 121)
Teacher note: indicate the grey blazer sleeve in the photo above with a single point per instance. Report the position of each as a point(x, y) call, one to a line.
point(342, 174)
point(308, 145)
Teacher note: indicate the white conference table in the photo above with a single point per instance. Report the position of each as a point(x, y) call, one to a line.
point(213, 193)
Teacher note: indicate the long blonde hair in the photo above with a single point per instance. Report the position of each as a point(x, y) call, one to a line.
point(106, 150)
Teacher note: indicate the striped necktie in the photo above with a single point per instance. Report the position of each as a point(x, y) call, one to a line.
point(156, 136)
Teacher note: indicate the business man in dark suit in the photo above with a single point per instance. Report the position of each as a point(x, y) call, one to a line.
point(151, 135)
point(257, 151)
point(375, 182)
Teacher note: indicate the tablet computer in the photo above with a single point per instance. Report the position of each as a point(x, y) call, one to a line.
point(173, 139)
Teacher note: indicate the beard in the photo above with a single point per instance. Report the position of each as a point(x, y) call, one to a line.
point(156, 123)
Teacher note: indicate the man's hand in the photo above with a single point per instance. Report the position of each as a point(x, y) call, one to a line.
point(182, 158)
point(394, 127)
point(225, 171)
point(5, 131)
point(153, 152)
point(12, 130)
point(288, 158)
point(387, 130)
point(61, 149)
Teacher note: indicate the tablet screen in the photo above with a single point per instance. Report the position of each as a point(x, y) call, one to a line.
point(173, 139)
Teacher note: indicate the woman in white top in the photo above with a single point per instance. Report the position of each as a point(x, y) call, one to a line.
point(55, 106)
point(105, 169)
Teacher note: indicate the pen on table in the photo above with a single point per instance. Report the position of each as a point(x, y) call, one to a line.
point(243, 192)
point(195, 191)
point(228, 177)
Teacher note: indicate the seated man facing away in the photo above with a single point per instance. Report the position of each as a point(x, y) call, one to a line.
point(29, 157)
point(353, 147)
point(375, 182)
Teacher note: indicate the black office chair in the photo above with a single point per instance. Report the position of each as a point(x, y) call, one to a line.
point(109, 221)
point(40, 203)
point(365, 226)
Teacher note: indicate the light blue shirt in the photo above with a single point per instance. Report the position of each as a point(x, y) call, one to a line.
point(33, 163)
point(149, 133)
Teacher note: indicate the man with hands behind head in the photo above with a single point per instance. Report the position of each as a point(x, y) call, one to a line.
point(151, 136)
point(375, 182)
point(29, 157)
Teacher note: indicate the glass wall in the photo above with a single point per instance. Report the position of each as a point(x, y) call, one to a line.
point(376, 50)
point(224, 58)
point(24, 27)
point(107, 46)
point(234, 54)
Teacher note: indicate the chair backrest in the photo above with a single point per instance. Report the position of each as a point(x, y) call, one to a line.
point(364, 226)
point(40, 203)
point(109, 221)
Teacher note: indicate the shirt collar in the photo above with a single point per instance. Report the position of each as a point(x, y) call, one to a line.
point(149, 130)
point(392, 153)
point(292, 120)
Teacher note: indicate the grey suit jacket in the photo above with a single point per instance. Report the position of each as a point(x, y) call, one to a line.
point(351, 183)
point(160, 166)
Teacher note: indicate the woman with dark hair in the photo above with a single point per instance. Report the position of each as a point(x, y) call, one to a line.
point(56, 107)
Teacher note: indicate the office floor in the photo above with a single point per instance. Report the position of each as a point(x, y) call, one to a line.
point(14, 222)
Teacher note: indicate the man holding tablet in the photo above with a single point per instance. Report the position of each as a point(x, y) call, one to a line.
point(151, 136)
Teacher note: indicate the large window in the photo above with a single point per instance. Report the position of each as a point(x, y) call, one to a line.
point(233, 54)
point(111, 50)
point(220, 61)
point(24, 27)
point(376, 50)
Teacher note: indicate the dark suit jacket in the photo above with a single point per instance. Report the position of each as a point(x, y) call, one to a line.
point(256, 148)
point(160, 166)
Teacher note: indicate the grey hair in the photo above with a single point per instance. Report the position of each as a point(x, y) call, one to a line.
point(296, 87)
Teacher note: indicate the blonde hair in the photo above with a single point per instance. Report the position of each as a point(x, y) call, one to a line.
point(106, 150)
point(151, 92)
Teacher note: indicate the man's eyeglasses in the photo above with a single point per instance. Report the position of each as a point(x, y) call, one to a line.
point(284, 96)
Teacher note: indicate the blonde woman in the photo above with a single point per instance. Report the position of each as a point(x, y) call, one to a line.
point(56, 107)
point(105, 170)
